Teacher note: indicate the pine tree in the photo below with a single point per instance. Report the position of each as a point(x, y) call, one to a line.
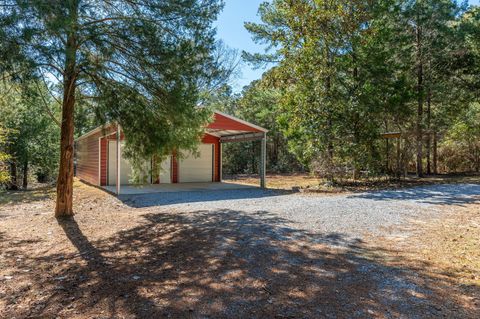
point(34, 129)
point(4, 158)
point(141, 62)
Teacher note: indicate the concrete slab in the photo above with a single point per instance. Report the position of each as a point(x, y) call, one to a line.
point(174, 188)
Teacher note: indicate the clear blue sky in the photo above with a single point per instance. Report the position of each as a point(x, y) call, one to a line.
point(230, 29)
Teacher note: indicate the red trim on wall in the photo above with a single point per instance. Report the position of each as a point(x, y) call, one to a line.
point(221, 122)
point(174, 169)
point(210, 139)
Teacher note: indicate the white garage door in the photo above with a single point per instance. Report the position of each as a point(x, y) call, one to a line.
point(193, 169)
point(165, 171)
point(125, 166)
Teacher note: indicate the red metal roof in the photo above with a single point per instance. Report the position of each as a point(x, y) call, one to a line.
point(224, 124)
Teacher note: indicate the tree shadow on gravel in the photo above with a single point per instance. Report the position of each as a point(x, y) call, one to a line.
point(171, 198)
point(445, 194)
point(230, 264)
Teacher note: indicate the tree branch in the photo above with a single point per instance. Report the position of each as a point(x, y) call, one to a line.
point(46, 106)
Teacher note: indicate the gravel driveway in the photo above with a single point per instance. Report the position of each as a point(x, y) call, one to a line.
point(316, 256)
point(233, 254)
point(351, 215)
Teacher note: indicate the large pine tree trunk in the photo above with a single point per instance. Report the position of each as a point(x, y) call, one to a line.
point(418, 124)
point(64, 205)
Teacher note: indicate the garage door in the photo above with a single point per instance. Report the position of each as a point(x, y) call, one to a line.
point(125, 167)
point(193, 169)
point(165, 171)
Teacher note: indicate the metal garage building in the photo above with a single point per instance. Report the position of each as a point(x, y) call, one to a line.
point(98, 162)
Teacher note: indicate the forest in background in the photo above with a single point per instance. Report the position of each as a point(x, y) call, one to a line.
point(354, 89)
point(363, 88)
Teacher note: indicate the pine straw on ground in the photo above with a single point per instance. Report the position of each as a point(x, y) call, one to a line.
point(114, 261)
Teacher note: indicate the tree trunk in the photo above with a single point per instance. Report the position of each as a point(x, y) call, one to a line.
point(13, 185)
point(64, 204)
point(429, 135)
point(387, 151)
point(330, 148)
point(25, 175)
point(435, 154)
point(399, 160)
point(477, 161)
point(418, 126)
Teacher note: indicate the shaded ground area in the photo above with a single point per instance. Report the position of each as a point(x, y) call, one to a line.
point(240, 257)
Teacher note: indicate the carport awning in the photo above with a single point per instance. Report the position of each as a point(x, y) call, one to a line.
point(231, 129)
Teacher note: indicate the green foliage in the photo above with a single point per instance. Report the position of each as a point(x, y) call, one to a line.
point(32, 132)
point(324, 109)
point(259, 104)
point(461, 146)
point(139, 63)
point(4, 158)
point(348, 71)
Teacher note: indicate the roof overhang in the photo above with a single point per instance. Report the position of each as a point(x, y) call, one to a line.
point(226, 127)
point(242, 137)
point(230, 128)
point(103, 128)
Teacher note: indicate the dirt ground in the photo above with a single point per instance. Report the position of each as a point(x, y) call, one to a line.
point(307, 182)
point(115, 261)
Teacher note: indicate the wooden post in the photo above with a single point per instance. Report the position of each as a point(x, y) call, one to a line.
point(220, 165)
point(263, 161)
point(119, 149)
point(398, 168)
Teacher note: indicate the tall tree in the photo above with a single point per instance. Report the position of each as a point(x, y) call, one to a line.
point(317, 46)
point(430, 39)
point(142, 62)
point(33, 125)
point(4, 157)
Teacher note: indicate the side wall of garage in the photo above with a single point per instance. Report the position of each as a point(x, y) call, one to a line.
point(87, 158)
point(91, 156)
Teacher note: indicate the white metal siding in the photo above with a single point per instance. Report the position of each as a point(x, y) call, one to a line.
point(197, 169)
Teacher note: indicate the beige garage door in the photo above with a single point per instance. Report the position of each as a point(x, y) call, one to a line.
point(165, 171)
point(193, 169)
point(125, 166)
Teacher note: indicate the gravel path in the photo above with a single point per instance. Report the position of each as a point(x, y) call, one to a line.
point(234, 254)
point(351, 215)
